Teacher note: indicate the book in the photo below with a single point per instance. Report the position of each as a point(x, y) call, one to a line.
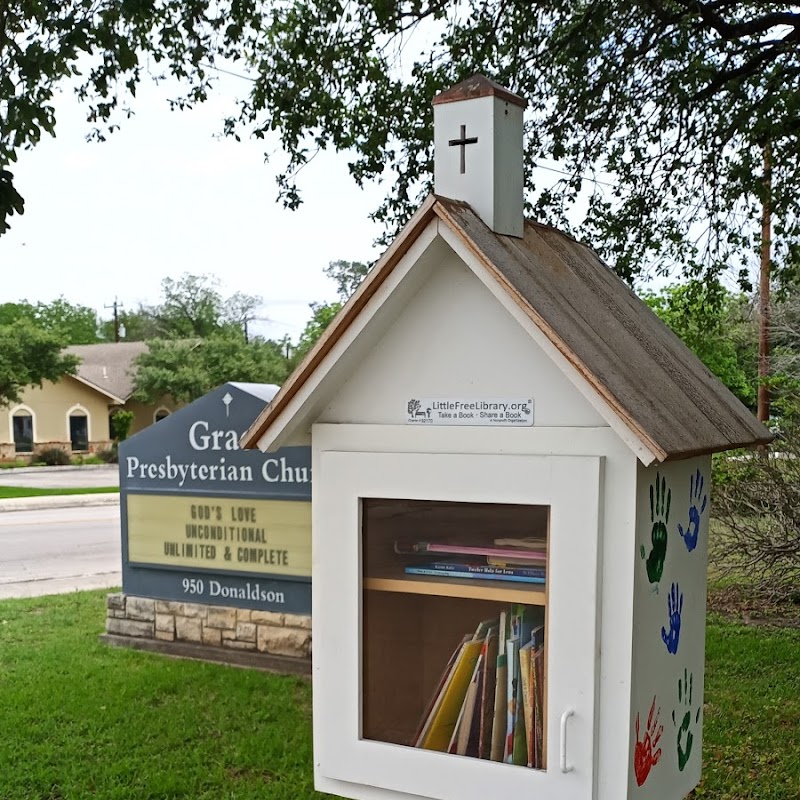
point(437, 694)
point(489, 700)
point(489, 653)
point(525, 620)
point(519, 753)
point(512, 676)
point(445, 716)
point(466, 550)
point(481, 569)
point(510, 561)
point(497, 576)
point(527, 697)
point(527, 542)
point(500, 706)
point(464, 730)
point(537, 690)
point(484, 628)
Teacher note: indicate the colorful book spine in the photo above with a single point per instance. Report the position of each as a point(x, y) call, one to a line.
point(488, 680)
point(477, 575)
point(467, 550)
point(483, 569)
point(512, 677)
point(500, 709)
point(489, 701)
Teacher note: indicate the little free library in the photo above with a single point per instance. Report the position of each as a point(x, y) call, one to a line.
point(511, 463)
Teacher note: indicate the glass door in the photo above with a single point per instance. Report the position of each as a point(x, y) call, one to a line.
point(455, 622)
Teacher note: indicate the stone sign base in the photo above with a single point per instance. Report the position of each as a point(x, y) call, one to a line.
point(262, 639)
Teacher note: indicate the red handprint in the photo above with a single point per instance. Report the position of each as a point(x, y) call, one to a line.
point(645, 755)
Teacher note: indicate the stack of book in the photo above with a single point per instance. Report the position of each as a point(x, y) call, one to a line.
point(520, 560)
point(489, 702)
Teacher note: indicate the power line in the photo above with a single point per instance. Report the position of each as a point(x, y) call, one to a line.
point(572, 175)
point(228, 72)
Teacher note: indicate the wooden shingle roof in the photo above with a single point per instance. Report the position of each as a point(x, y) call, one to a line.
point(645, 374)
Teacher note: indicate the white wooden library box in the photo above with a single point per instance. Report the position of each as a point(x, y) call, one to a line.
point(511, 464)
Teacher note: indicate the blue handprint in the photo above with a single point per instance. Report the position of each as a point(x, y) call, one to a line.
point(696, 510)
point(675, 609)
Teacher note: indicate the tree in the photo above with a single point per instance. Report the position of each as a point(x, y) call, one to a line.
point(135, 326)
point(190, 307)
point(347, 275)
point(103, 45)
point(673, 101)
point(187, 370)
point(69, 323)
point(322, 314)
point(29, 356)
point(717, 326)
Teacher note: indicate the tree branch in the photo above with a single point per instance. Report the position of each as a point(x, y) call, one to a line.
point(736, 30)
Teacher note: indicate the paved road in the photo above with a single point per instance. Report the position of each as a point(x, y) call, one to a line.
point(51, 551)
point(61, 478)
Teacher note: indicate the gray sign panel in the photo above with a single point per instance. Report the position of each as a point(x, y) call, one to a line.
point(192, 455)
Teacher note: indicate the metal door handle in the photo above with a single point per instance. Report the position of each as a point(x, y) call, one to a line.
point(563, 754)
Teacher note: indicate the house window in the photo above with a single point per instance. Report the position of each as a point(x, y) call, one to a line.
point(162, 413)
point(22, 423)
point(79, 430)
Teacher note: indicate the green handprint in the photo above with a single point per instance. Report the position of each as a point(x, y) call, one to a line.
point(660, 499)
point(685, 735)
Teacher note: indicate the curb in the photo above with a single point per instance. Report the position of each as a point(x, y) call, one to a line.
point(66, 467)
point(59, 501)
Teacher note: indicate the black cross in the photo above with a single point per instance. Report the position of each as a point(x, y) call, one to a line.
point(462, 143)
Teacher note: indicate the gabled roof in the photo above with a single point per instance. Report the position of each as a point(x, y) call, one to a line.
point(108, 367)
point(644, 375)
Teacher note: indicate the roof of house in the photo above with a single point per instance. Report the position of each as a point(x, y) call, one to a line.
point(662, 393)
point(108, 367)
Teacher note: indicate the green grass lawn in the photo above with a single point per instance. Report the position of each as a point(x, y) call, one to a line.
point(752, 713)
point(82, 720)
point(26, 491)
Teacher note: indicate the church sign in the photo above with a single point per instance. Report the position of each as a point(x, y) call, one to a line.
point(206, 522)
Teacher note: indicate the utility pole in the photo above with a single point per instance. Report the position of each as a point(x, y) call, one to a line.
point(116, 306)
point(764, 312)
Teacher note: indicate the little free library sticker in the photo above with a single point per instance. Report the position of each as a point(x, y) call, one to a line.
point(514, 411)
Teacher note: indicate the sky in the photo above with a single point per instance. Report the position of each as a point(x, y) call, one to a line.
point(165, 196)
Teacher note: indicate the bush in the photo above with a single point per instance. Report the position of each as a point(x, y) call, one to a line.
point(757, 509)
point(108, 455)
point(120, 423)
point(52, 457)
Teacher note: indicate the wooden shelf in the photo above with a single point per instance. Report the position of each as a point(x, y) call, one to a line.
point(477, 589)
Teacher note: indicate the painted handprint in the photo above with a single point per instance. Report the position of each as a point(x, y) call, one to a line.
point(674, 609)
point(646, 756)
point(685, 735)
point(660, 499)
point(698, 500)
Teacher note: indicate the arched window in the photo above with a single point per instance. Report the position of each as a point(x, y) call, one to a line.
point(79, 429)
point(161, 413)
point(22, 428)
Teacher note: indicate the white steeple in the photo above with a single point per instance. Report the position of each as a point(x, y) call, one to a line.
point(477, 142)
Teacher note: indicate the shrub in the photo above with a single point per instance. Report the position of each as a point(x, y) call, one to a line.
point(121, 422)
point(52, 457)
point(108, 455)
point(757, 509)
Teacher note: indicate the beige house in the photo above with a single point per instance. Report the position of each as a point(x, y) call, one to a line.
point(74, 412)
